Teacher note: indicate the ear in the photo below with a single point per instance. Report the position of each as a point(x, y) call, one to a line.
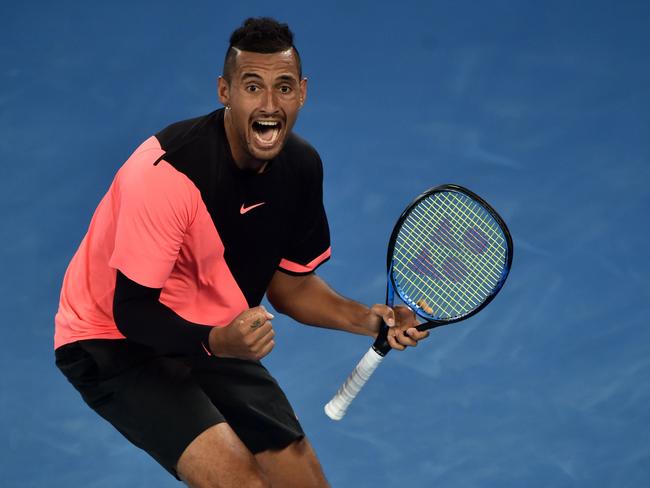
point(223, 91)
point(303, 91)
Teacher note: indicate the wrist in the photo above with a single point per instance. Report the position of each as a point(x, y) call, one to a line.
point(370, 322)
point(214, 341)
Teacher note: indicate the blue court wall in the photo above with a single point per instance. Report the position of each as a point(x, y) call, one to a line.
point(540, 107)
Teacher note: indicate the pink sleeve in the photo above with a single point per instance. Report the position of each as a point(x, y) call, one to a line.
point(154, 206)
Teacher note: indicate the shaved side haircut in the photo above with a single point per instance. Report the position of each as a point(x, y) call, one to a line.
point(259, 35)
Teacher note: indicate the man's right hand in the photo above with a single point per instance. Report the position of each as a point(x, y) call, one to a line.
point(249, 336)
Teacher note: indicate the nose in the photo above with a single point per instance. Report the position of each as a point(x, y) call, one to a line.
point(269, 102)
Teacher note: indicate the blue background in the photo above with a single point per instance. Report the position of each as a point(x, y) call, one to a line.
point(540, 107)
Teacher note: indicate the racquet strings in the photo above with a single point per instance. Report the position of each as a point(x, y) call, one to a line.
point(450, 255)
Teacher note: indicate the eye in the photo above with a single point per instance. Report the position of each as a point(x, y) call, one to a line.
point(252, 88)
point(284, 89)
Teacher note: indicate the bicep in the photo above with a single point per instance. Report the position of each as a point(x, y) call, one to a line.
point(127, 290)
point(306, 298)
point(283, 289)
point(133, 304)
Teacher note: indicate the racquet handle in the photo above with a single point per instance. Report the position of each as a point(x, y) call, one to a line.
point(337, 406)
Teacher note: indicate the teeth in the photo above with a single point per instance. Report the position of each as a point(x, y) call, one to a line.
point(268, 137)
point(267, 122)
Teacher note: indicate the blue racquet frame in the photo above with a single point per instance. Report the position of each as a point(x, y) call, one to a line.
point(381, 345)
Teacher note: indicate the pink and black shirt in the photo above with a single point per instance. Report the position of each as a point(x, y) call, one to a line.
point(180, 217)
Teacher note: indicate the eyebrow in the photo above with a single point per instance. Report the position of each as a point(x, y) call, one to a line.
point(250, 75)
point(287, 78)
point(258, 77)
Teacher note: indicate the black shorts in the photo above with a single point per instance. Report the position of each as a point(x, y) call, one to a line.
point(161, 404)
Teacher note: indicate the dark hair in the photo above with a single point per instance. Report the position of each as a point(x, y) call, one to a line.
point(259, 35)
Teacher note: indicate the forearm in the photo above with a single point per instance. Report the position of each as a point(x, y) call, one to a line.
point(141, 317)
point(311, 301)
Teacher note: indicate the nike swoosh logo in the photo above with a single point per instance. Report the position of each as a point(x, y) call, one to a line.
point(243, 209)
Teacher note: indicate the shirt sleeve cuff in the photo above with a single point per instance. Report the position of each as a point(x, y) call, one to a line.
point(297, 268)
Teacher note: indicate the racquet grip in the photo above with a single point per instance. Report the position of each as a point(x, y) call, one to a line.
point(337, 406)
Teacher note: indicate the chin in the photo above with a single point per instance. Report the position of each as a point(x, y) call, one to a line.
point(260, 154)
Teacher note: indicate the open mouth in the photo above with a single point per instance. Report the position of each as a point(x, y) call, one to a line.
point(266, 132)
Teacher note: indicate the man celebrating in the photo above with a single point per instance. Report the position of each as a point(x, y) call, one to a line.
point(160, 326)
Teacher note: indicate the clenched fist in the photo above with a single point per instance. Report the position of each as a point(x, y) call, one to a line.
point(249, 336)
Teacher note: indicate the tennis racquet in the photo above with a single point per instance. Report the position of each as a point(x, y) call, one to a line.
point(448, 256)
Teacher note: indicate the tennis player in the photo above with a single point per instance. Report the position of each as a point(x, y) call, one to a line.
point(160, 326)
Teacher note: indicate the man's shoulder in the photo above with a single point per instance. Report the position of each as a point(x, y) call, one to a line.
point(146, 168)
point(184, 131)
point(301, 155)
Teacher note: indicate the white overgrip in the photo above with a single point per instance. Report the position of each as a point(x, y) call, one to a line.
point(337, 406)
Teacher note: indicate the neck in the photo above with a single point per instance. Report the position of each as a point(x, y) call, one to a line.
point(242, 160)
